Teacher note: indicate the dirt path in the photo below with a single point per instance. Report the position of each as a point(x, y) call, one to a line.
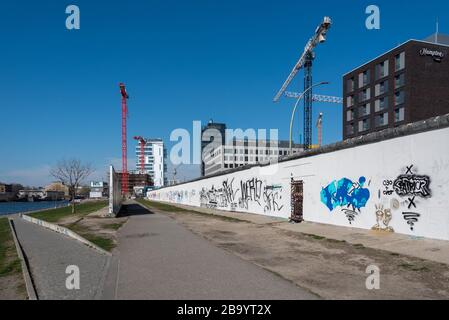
point(329, 268)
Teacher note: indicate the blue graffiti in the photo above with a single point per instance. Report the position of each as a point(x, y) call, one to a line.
point(345, 193)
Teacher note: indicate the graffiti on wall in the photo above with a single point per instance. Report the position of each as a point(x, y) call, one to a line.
point(383, 219)
point(251, 192)
point(221, 197)
point(271, 197)
point(411, 187)
point(350, 196)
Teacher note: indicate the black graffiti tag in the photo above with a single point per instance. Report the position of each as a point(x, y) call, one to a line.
point(411, 218)
point(251, 190)
point(412, 185)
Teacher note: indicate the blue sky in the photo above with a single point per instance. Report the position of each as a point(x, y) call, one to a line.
point(181, 61)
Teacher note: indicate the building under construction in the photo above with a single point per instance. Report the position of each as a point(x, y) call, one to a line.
point(137, 180)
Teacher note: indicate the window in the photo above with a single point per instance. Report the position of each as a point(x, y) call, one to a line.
point(399, 80)
point(365, 110)
point(350, 85)
point(364, 125)
point(365, 94)
point(399, 98)
point(382, 70)
point(350, 129)
point(381, 104)
point(382, 119)
point(364, 78)
point(399, 115)
point(350, 115)
point(381, 88)
point(349, 101)
point(400, 61)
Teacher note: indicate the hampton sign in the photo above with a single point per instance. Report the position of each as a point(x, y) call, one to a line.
point(435, 54)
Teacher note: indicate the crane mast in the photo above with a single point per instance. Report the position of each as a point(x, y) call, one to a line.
point(308, 100)
point(125, 97)
point(317, 98)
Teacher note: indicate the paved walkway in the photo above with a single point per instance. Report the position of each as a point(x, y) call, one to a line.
point(157, 258)
point(428, 249)
point(49, 253)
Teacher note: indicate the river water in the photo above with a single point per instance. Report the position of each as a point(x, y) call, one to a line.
point(21, 207)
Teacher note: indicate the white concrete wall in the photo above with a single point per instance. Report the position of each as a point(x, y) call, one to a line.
point(115, 192)
point(402, 183)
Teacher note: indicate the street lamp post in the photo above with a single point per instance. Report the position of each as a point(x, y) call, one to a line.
point(296, 106)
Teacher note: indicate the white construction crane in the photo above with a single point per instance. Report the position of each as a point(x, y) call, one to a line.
point(319, 37)
point(306, 61)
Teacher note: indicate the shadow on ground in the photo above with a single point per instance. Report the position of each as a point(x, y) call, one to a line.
point(133, 209)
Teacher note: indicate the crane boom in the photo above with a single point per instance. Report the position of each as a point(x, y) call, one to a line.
point(319, 37)
point(316, 97)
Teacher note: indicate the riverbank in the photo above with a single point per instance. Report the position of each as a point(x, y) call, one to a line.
point(12, 285)
point(8, 208)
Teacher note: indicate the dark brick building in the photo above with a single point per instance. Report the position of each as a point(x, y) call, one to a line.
point(407, 84)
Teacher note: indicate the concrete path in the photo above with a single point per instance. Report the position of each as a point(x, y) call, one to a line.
point(50, 253)
point(157, 258)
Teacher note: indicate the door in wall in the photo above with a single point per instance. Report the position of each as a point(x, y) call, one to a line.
point(297, 198)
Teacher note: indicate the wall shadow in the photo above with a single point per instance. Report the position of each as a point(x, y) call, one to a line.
point(128, 210)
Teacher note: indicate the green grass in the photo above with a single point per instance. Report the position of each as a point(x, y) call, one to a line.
point(413, 267)
point(161, 206)
point(9, 261)
point(174, 209)
point(314, 236)
point(113, 226)
point(101, 241)
point(82, 210)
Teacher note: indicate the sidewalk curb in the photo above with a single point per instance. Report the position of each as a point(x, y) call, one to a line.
point(64, 231)
point(31, 291)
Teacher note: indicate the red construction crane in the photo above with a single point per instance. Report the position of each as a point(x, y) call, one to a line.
point(142, 143)
point(125, 97)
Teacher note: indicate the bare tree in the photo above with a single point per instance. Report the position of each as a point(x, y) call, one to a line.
point(71, 173)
